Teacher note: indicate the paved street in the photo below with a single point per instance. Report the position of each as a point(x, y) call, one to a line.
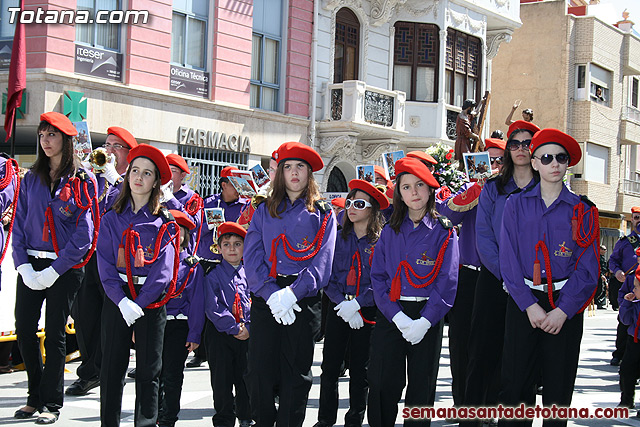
point(597, 387)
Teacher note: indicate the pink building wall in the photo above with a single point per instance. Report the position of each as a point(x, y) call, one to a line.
point(298, 68)
point(50, 46)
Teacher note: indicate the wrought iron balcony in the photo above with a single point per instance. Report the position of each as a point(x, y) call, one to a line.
point(363, 108)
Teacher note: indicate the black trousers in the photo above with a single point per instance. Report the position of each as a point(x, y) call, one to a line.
point(280, 358)
point(174, 354)
point(116, 342)
point(529, 351)
point(337, 339)
point(459, 329)
point(621, 340)
point(486, 339)
point(87, 312)
point(229, 357)
point(629, 372)
point(392, 360)
point(614, 288)
point(45, 384)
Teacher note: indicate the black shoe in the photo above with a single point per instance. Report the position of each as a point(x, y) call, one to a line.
point(539, 390)
point(247, 423)
point(195, 362)
point(615, 362)
point(132, 373)
point(321, 424)
point(47, 417)
point(81, 387)
point(626, 405)
point(23, 415)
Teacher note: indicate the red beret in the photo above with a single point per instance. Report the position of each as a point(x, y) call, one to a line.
point(338, 201)
point(637, 274)
point(421, 155)
point(495, 143)
point(554, 136)
point(389, 192)
point(182, 219)
point(274, 155)
point(367, 187)
point(156, 156)
point(177, 161)
point(522, 125)
point(635, 209)
point(299, 151)
point(124, 135)
point(227, 171)
point(231, 227)
point(60, 121)
point(417, 168)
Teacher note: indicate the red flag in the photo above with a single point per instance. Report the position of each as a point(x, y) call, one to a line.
point(17, 76)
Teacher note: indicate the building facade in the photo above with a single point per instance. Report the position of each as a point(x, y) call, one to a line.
point(579, 75)
point(226, 82)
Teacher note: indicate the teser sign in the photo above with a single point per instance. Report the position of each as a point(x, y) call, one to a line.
point(215, 140)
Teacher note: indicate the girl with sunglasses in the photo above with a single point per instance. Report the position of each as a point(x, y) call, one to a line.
point(351, 312)
point(550, 264)
point(138, 257)
point(55, 229)
point(487, 322)
point(414, 275)
point(462, 208)
point(288, 255)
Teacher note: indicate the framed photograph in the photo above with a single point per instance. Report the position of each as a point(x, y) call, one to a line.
point(477, 165)
point(260, 176)
point(366, 173)
point(389, 162)
point(214, 217)
point(247, 176)
point(82, 141)
point(242, 186)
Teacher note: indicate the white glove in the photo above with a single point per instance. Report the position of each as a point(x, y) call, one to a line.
point(347, 309)
point(29, 277)
point(110, 173)
point(130, 311)
point(416, 331)
point(289, 316)
point(281, 302)
point(47, 277)
point(166, 192)
point(356, 321)
point(402, 321)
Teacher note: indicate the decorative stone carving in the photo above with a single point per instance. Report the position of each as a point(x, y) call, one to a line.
point(494, 39)
point(342, 146)
point(414, 121)
point(371, 151)
point(412, 7)
point(381, 10)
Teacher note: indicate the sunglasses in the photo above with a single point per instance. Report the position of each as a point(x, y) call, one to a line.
point(515, 144)
point(499, 160)
point(546, 159)
point(358, 204)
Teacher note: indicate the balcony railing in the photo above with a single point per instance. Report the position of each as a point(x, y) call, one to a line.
point(631, 187)
point(630, 113)
point(355, 101)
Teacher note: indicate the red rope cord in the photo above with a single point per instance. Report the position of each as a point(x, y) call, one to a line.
point(316, 245)
point(396, 283)
point(12, 171)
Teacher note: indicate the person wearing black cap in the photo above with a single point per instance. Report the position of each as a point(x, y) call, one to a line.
point(50, 258)
point(465, 137)
point(351, 311)
point(87, 308)
point(137, 260)
point(414, 275)
point(288, 256)
point(549, 260)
